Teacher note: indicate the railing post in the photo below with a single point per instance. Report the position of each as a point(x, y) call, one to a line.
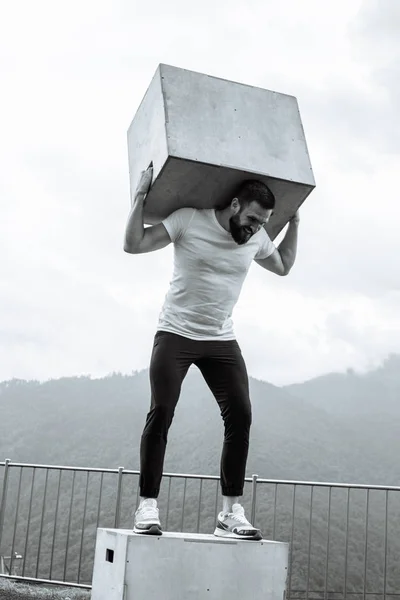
point(118, 501)
point(3, 498)
point(253, 499)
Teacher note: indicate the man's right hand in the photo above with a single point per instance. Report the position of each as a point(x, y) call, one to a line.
point(145, 180)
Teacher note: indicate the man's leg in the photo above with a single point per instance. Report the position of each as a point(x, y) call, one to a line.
point(171, 358)
point(225, 372)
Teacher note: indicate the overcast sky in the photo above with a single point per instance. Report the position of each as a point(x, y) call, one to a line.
point(72, 76)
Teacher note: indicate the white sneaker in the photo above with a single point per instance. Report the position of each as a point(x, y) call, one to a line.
point(235, 525)
point(147, 518)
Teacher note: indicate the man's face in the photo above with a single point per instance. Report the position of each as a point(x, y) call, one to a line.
point(247, 221)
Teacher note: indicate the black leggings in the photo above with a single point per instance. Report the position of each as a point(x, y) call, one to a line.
point(222, 366)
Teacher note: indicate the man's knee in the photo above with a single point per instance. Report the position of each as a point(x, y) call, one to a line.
point(159, 419)
point(246, 416)
point(239, 415)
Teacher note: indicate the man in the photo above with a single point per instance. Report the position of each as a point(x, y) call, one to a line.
point(213, 251)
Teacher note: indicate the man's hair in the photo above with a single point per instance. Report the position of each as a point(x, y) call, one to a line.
point(253, 190)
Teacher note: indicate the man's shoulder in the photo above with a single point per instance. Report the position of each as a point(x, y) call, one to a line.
point(178, 222)
point(262, 235)
point(190, 214)
point(182, 212)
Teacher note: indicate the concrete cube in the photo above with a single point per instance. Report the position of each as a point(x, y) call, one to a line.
point(179, 566)
point(204, 135)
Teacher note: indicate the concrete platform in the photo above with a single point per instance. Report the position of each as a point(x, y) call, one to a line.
point(186, 566)
point(205, 135)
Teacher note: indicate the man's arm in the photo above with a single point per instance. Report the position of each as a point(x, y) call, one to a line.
point(139, 239)
point(282, 259)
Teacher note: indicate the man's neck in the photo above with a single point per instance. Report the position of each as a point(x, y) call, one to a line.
point(223, 217)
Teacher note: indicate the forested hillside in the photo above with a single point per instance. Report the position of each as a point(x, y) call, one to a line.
point(341, 427)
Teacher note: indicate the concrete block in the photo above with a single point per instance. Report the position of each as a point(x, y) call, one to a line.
point(205, 135)
point(186, 566)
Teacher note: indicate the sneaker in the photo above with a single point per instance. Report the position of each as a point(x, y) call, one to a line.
point(146, 518)
point(235, 525)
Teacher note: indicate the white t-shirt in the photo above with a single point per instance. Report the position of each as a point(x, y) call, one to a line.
point(209, 271)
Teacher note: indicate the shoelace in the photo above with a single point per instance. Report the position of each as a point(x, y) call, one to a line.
point(149, 511)
point(238, 515)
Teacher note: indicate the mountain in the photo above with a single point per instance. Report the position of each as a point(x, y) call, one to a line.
point(298, 432)
point(337, 428)
point(350, 394)
point(369, 405)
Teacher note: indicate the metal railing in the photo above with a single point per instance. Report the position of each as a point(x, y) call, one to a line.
point(344, 539)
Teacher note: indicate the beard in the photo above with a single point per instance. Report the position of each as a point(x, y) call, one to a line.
point(238, 232)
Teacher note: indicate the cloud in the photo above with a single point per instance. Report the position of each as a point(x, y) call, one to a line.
point(290, 336)
point(71, 301)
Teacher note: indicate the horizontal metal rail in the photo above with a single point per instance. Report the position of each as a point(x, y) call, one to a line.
point(209, 477)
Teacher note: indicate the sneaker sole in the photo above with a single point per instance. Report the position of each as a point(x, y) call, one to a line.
point(152, 530)
point(223, 533)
